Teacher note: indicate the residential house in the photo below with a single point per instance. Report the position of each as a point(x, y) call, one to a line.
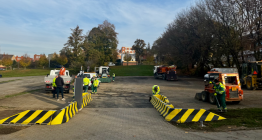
point(37, 57)
point(128, 50)
point(12, 57)
point(17, 58)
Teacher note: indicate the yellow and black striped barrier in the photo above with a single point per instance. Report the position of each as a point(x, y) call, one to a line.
point(50, 117)
point(86, 99)
point(180, 115)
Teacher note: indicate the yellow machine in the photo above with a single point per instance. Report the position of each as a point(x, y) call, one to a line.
point(252, 74)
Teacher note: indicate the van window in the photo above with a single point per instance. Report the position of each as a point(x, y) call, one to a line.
point(56, 73)
point(88, 75)
point(231, 80)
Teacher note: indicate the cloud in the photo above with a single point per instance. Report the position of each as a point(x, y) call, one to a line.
point(43, 26)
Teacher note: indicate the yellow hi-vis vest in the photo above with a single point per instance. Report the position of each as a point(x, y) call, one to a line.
point(54, 85)
point(96, 82)
point(114, 75)
point(155, 92)
point(86, 81)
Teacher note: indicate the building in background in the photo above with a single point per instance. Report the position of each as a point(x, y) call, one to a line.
point(128, 50)
point(37, 57)
point(12, 57)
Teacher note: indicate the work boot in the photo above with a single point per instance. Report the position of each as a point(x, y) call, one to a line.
point(219, 110)
point(225, 110)
point(63, 99)
point(57, 100)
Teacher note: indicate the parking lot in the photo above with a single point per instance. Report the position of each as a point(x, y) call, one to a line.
point(117, 103)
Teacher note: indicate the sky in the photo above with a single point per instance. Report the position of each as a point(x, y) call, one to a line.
point(43, 26)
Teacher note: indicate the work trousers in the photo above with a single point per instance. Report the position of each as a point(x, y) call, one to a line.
point(61, 90)
point(54, 92)
point(86, 88)
point(94, 89)
point(222, 100)
point(113, 78)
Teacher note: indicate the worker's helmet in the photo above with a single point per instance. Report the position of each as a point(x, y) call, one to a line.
point(155, 88)
point(216, 81)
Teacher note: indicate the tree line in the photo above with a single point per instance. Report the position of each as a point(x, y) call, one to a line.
point(27, 62)
point(95, 48)
point(213, 33)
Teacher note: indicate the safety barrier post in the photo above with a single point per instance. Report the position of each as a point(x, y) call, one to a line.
point(79, 91)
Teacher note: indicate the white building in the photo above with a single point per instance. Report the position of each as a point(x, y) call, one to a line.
point(128, 50)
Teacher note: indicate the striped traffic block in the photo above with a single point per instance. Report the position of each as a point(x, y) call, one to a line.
point(42, 117)
point(27, 117)
point(64, 114)
point(180, 115)
point(86, 99)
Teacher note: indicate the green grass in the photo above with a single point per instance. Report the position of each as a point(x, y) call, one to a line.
point(23, 72)
point(138, 70)
point(22, 93)
point(247, 117)
point(9, 81)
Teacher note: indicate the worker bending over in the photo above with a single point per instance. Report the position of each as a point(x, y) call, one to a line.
point(220, 94)
point(86, 82)
point(95, 83)
point(155, 91)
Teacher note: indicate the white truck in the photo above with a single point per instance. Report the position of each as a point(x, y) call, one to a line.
point(49, 80)
point(102, 70)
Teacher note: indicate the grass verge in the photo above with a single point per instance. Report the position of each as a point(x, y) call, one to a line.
point(138, 70)
point(247, 118)
point(22, 93)
point(9, 81)
point(24, 72)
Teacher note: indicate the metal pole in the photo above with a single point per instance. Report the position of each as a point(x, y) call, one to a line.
point(49, 61)
point(201, 124)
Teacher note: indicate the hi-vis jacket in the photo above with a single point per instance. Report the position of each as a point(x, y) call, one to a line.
point(155, 92)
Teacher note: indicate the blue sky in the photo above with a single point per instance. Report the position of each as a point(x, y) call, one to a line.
point(43, 26)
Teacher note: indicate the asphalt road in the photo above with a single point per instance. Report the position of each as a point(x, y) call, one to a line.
point(121, 110)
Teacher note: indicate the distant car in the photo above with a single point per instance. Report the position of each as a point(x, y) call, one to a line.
point(58, 66)
point(2, 69)
point(111, 64)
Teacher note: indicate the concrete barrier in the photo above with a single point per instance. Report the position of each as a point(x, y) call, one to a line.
point(180, 115)
point(50, 117)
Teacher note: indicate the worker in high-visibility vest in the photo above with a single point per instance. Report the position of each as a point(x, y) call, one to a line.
point(95, 83)
point(220, 94)
point(155, 90)
point(92, 81)
point(114, 77)
point(86, 82)
point(54, 86)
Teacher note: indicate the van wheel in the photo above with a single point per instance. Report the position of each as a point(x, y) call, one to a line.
point(163, 76)
point(204, 96)
point(156, 76)
point(212, 99)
